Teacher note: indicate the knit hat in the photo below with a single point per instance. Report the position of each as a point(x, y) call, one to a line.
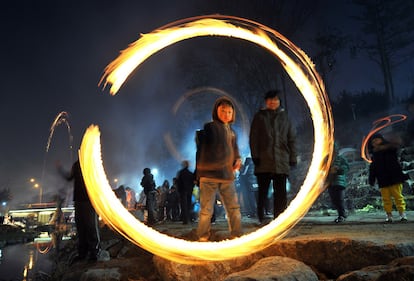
point(272, 94)
point(376, 136)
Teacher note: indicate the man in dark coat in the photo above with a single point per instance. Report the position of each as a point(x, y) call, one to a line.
point(185, 185)
point(148, 183)
point(86, 218)
point(273, 150)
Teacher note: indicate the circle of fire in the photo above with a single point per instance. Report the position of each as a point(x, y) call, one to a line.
point(302, 72)
point(377, 126)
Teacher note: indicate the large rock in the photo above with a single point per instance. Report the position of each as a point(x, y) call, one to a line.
point(334, 257)
point(330, 251)
point(328, 257)
point(276, 269)
point(399, 269)
point(99, 274)
point(207, 271)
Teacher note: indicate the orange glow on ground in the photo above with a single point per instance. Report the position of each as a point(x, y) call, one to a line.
point(302, 72)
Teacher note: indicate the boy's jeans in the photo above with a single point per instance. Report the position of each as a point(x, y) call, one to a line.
point(227, 191)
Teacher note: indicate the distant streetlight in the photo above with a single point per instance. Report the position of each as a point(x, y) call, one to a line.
point(37, 186)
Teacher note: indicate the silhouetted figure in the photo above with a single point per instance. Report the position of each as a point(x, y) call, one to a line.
point(248, 187)
point(86, 218)
point(161, 197)
point(59, 224)
point(185, 185)
point(148, 183)
point(173, 204)
point(120, 193)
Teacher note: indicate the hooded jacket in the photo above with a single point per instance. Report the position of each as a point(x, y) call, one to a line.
point(217, 147)
point(338, 177)
point(385, 167)
point(272, 142)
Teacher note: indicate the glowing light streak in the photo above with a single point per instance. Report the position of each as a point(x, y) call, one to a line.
point(47, 246)
point(302, 72)
point(61, 118)
point(377, 126)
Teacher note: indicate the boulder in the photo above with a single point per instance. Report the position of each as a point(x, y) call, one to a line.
point(399, 269)
point(99, 274)
point(169, 270)
point(276, 269)
point(334, 257)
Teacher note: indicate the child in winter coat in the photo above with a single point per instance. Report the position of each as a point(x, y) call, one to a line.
point(386, 170)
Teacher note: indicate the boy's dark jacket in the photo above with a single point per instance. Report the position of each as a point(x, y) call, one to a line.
point(217, 148)
point(385, 167)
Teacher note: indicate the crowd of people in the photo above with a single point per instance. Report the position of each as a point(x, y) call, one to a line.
point(193, 195)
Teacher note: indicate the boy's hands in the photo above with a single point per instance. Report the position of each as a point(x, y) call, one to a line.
point(237, 165)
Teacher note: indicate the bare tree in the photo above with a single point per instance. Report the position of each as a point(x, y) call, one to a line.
point(329, 42)
point(388, 35)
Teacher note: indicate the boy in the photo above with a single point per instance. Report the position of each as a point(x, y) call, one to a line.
point(386, 169)
point(217, 160)
point(337, 183)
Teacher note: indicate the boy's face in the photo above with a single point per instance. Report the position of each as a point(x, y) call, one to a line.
point(272, 103)
point(225, 113)
point(375, 142)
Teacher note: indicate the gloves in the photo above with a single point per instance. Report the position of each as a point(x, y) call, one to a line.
point(256, 161)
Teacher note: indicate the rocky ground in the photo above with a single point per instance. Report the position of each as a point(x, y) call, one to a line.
point(316, 243)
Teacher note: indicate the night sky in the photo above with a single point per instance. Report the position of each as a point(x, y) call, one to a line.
point(53, 54)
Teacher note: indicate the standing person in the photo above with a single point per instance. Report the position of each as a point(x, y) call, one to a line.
point(217, 161)
point(273, 149)
point(185, 185)
point(86, 219)
point(386, 170)
point(161, 199)
point(58, 222)
point(120, 193)
point(248, 187)
point(173, 203)
point(131, 200)
point(148, 183)
point(337, 183)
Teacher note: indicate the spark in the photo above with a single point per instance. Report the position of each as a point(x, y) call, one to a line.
point(377, 126)
point(61, 118)
point(302, 72)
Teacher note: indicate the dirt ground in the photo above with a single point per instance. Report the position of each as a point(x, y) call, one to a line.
point(366, 226)
point(359, 225)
